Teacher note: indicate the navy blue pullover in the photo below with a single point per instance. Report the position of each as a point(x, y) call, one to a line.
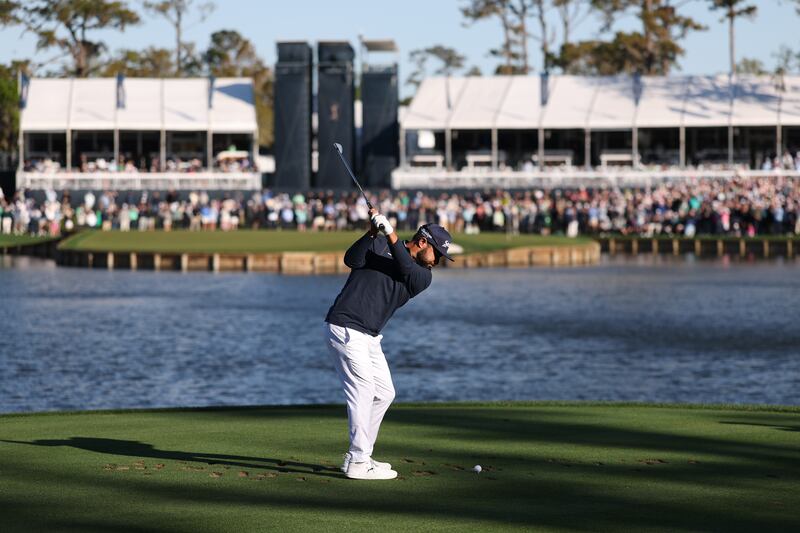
point(383, 278)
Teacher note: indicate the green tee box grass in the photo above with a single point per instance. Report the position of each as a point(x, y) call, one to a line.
point(22, 240)
point(546, 467)
point(266, 241)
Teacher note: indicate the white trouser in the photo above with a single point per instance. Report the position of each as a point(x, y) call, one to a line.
point(367, 384)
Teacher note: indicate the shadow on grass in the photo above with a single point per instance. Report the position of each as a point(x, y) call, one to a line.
point(550, 500)
point(542, 426)
point(140, 450)
point(779, 427)
point(725, 491)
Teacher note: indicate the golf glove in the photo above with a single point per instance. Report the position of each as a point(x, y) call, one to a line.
point(381, 220)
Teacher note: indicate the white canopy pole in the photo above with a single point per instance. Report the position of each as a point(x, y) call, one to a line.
point(254, 149)
point(210, 128)
point(69, 148)
point(402, 141)
point(68, 129)
point(682, 146)
point(116, 125)
point(540, 148)
point(587, 148)
point(448, 149)
point(731, 89)
point(209, 149)
point(780, 87)
point(494, 149)
point(162, 152)
point(116, 147)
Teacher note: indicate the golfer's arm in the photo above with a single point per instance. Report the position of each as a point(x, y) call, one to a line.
point(417, 278)
point(356, 255)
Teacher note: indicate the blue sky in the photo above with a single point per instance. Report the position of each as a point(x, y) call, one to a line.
point(420, 23)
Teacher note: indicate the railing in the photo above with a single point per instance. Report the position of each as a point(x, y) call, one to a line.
point(139, 181)
point(431, 178)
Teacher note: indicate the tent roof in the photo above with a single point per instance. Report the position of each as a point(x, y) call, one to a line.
point(173, 104)
point(755, 101)
point(570, 102)
point(707, 101)
point(479, 102)
point(602, 102)
point(433, 103)
point(662, 101)
point(614, 106)
point(790, 104)
point(520, 108)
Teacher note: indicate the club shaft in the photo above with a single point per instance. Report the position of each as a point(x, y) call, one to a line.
point(355, 180)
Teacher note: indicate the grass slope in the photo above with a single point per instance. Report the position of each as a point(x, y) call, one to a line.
point(273, 241)
point(547, 467)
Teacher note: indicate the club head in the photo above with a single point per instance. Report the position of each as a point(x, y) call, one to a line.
point(338, 147)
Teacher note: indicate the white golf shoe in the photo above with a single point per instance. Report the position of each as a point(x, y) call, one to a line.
point(365, 470)
point(378, 464)
point(375, 464)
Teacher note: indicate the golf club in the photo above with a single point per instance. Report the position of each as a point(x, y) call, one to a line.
point(338, 148)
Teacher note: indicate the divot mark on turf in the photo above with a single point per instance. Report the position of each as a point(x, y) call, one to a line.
point(453, 467)
point(301, 478)
point(405, 460)
point(159, 466)
point(424, 473)
point(653, 461)
point(243, 474)
point(215, 474)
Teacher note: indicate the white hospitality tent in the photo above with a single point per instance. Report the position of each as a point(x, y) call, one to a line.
point(143, 106)
point(584, 112)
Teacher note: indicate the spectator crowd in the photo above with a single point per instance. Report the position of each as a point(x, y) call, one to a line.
point(740, 207)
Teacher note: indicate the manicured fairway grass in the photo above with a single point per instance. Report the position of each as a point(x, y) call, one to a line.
point(21, 240)
point(248, 241)
point(547, 467)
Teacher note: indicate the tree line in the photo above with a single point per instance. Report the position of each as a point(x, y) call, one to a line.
point(68, 29)
point(652, 48)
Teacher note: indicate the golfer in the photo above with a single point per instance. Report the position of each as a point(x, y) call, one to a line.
point(386, 273)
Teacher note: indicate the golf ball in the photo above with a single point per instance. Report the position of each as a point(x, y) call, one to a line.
point(477, 469)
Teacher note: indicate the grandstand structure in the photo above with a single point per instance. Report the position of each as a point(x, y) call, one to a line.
point(138, 133)
point(521, 130)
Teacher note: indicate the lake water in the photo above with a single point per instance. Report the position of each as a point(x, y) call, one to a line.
point(644, 328)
